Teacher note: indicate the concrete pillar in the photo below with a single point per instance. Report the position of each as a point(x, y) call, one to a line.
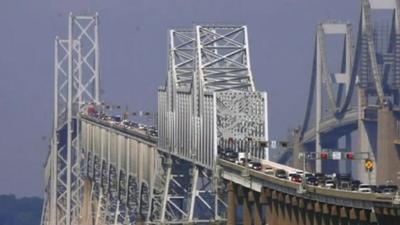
point(310, 214)
point(265, 200)
point(344, 216)
point(246, 211)
point(297, 148)
point(295, 211)
point(272, 210)
point(325, 215)
point(232, 204)
point(257, 209)
point(388, 155)
point(288, 210)
point(353, 218)
point(367, 138)
point(317, 214)
point(345, 165)
point(302, 212)
point(363, 217)
point(334, 215)
point(282, 212)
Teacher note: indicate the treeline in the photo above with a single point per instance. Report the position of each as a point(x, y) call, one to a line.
point(21, 211)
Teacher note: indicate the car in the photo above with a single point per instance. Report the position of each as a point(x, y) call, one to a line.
point(221, 151)
point(256, 166)
point(308, 175)
point(296, 178)
point(242, 161)
point(312, 181)
point(365, 188)
point(280, 173)
point(320, 177)
point(268, 171)
point(387, 189)
point(230, 155)
point(329, 183)
point(291, 174)
point(354, 184)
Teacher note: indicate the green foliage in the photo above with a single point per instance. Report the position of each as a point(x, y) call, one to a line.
point(23, 211)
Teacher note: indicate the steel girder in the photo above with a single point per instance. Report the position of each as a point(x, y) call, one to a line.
point(120, 171)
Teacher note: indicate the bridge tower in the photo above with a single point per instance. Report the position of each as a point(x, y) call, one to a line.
point(329, 96)
point(373, 80)
point(378, 88)
point(76, 82)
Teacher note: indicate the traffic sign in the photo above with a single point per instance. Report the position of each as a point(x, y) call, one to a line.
point(273, 144)
point(368, 164)
point(336, 155)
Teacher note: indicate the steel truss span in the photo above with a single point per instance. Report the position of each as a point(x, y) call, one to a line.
point(99, 173)
point(209, 75)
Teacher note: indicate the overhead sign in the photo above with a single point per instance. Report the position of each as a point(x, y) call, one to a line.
point(336, 155)
point(273, 144)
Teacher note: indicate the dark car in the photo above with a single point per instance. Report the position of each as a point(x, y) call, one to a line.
point(221, 151)
point(387, 189)
point(355, 184)
point(256, 166)
point(312, 181)
point(279, 173)
point(320, 177)
point(230, 155)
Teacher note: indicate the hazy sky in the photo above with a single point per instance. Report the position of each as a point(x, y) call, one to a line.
point(133, 62)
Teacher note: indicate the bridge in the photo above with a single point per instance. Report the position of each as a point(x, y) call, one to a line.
point(102, 169)
point(357, 102)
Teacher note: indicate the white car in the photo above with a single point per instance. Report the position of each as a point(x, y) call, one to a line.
point(329, 184)
point(365, 188)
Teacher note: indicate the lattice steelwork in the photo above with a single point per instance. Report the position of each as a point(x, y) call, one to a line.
point(202, 61)
point(241, 122)
point(76, 82)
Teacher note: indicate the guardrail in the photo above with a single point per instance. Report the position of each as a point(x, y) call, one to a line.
point(258, 180)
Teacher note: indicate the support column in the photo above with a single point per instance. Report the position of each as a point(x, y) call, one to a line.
point(289, 210)
point(283, 216)
point(297, 148)
point(325, 214)
point(317, 214)
point(246, 210)
point(232, 204)
point(257, 208)
point(310, 214)
point(367, 136)
point(344, 216)
point(295, 211)
point(363, 217)
point(388, 156)
point(272, 210)
point(334, 215)
point(302, 212)
point(353, 216)
point(265, 201)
